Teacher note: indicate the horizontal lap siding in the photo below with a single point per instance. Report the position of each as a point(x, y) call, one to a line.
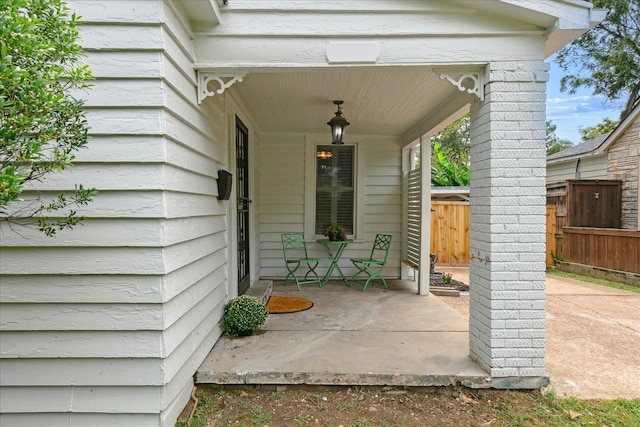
point(111, 322)
point(282, 187)
point(624, 164)
point(195, 237)
point(382, 202)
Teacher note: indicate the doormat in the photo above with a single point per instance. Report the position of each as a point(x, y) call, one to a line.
point(285, 304)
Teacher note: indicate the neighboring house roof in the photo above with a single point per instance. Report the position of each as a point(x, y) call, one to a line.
point(586, 149)
point(596, 146)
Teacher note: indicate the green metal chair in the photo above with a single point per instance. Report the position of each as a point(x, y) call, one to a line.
point(295, 256)
point(372, 267)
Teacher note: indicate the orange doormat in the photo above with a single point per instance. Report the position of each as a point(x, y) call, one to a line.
point(285, 304)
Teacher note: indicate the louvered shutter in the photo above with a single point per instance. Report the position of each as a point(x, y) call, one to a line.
point(335, 187)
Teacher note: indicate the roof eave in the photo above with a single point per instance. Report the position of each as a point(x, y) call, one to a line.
point(620, 129)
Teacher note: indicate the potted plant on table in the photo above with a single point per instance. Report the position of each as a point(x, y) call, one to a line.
point(242, 315)
point(335, 233)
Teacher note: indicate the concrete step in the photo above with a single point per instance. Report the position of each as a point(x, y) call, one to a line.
point(261, 289)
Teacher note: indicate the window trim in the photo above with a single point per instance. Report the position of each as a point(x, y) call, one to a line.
point(311, 144)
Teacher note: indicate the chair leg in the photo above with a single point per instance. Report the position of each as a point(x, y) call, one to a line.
point(372, 275)
point(292, 274)
point(356, 274)
point(311, 271)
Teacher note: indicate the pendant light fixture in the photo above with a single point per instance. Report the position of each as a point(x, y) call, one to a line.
point(337, 123)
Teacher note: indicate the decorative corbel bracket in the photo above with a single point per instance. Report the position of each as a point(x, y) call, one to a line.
point(225, 80)
point(461, 79)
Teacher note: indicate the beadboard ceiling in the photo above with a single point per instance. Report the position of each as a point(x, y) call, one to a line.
point(377, 101)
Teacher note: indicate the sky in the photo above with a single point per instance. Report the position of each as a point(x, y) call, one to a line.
point(582, 109)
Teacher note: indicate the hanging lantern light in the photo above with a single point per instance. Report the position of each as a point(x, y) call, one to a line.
point(337, 123)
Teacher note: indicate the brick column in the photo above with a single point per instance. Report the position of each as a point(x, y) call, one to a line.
point(507, 265)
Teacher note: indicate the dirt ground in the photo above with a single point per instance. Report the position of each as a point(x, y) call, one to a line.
point(358, 406)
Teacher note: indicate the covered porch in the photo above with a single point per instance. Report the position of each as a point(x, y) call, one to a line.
point(379, 337)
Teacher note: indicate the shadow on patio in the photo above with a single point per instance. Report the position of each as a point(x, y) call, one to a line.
point(380, 337)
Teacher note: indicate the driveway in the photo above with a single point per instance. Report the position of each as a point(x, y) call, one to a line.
point(593, 337)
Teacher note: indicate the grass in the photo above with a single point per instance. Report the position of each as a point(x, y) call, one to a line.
point(593, 280)
point(549, 410)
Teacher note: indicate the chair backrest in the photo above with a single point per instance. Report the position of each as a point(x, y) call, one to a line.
point(381, 246)
point(294, 246)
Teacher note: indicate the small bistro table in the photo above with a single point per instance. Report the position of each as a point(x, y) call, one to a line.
point(334, 249)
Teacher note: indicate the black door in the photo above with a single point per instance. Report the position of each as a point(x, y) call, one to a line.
point(242, 188)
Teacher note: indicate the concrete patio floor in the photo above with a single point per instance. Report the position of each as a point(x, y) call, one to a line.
point(379, 337)
point(400, 338)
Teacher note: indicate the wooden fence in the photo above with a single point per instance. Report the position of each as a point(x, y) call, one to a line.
point(614, 249)
point(450, 232)
point(608, 248)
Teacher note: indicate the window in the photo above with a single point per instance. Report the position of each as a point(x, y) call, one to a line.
point(335, 187)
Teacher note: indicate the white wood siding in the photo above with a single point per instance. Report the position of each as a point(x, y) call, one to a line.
point(416, 32)
point(282, 189)
point(106, 324)
point(586, 168)
point(624, 164)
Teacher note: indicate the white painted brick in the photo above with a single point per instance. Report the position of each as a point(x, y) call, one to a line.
point(539, 324)
point(507, 98)
point(522, 76)
point(507, 315)
point(508, 182)
point(532, 314)
point(532, 256)
point(504, 333)
point(518, 343)
point(532, 372)
point(512, 87)
point(532, 238)
point(506, 257)
point(541, 76)
point(506, 352)
point(537, 343)
point(525, 305)
point(499, 342)
point(531, 87)
point(533, 275)
point(530, 352)
point(504, 372)
point(504, 276)
point(532, 333)
point(518, 324)
point(496, 324)
point(518, 362)
point(538, 362)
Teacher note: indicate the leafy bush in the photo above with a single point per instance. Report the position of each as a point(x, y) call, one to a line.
point(243, 313)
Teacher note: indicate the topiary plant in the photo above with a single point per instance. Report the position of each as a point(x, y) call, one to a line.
point(243, 314)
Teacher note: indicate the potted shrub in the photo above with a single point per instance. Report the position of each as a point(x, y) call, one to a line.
point(242, 315)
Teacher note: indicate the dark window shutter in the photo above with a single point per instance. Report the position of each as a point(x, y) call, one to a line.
point(334, 187)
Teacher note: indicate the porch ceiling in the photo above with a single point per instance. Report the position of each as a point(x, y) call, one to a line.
point(391, 101)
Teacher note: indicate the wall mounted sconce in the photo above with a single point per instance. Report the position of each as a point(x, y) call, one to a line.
point(337, 123)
